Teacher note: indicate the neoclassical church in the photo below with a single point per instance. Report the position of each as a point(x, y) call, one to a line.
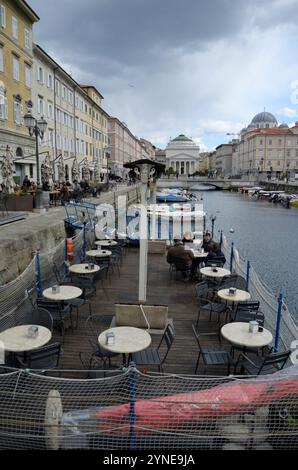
point(182, 154)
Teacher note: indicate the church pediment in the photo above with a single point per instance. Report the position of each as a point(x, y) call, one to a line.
point(183, 156)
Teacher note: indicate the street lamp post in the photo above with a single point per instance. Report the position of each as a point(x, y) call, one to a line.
point(36, 129)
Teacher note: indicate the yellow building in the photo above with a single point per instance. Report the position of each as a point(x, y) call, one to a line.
point(98, 120)
point(16, 64)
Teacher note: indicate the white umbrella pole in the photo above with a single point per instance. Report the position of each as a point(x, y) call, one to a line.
point(143, 245)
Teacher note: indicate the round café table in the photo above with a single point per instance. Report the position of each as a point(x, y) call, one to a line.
point(219, 273)
point(239, 296)
point(65, 293)
point(16, 339)
point(238, 334)
point(128, 340)
point(99, 253)
point(106, 243)
point(83, 268)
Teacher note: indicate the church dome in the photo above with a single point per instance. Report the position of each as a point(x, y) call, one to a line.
point(284, 126)
point(264, 118)
point(181, 138)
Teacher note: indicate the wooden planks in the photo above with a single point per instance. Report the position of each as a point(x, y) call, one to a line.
point(180, 298)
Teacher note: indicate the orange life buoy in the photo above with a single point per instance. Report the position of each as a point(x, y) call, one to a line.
point(69, 249)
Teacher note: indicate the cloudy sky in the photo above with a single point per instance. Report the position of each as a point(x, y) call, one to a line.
point(165, 67)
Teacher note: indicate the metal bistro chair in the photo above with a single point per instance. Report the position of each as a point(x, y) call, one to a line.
point(104, 263)
point(83, 281)
point(39, 316)
point(94, 325)
point(232, 281)
point(60, 313)
point(248, 315)
point(41, 358)
point(251, 306)
point(115, 261)
point(100, 277)
point(202, 292)
point(211, 356)
point(156, 356)
point(218, 262)
point(262, 365)
point(181, 267)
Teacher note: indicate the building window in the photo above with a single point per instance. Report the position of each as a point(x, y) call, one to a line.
point(14, 27)
point(70, 97)
point(278, 163)
point(261, 142)
point(3, 104)
point(2, 16)
point(16, 68)
point(270, 142)
point(40, 108)
point(57, 87)
point(65, 144)
point(280, 142)
point(50, 110)
point(78, 146)
point(40, 74)
point(51, 138)
point(58, 141)
point(27, 76)
point(1, 59)
point(31, 170)
point(288, 153)
point(17, 113)
point(27, 41)
point(58, 115)
point(63, 92)
point(50, 81)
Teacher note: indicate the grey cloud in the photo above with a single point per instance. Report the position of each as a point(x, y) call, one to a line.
point(192, 62)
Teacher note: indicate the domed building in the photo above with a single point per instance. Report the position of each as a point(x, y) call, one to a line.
point(182, 154)
point(266, 149)
point(264, 120)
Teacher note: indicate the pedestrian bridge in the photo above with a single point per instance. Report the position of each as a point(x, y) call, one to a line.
point(201, 183)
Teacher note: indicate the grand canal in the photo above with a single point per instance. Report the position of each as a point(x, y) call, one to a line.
point(265, 233)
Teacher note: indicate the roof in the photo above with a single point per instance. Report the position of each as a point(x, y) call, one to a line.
point(75, 83)
point(272, 131)
point(264, 117)
point(94, 88)
point(28, 10)
point(181, 138)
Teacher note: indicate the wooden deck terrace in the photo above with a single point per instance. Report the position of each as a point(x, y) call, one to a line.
point(176, 294)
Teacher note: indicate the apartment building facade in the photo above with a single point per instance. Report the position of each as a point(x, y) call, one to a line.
point(16, 65)
point(266, 149)
point(124, 147)
point(77, 132)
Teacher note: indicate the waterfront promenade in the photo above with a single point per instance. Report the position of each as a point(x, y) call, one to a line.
point(20, 239)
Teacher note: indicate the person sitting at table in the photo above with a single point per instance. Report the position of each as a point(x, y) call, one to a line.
point(181, 258)
point(188, 237)
point(215, 254)
point(207, 241)
point(65, 195)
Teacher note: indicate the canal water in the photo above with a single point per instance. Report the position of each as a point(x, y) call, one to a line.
point(265, 233)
